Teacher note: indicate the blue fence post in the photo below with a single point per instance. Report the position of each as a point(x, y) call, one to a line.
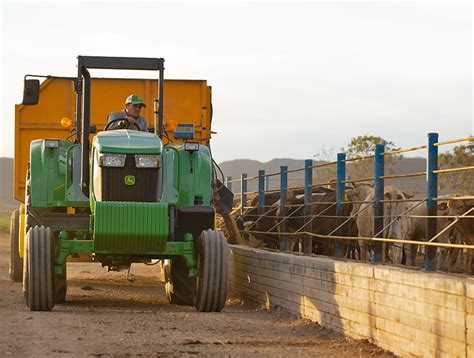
point(308, 198)
point(431, 195)
point(267, 183)
point(243, 192)
point(229, 183)
point(261, 192)
point(283, 194)
point(340, 189)
point(379, 169)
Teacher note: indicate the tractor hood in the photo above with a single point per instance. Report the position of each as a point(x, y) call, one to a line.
point(128, 141)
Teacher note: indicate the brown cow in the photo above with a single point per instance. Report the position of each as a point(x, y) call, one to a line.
point(465, 227)
point(324, 224)
point(250, 220)
point(417, 228)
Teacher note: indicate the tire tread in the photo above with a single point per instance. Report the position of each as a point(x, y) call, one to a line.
point(211, 291)
point(39, 280)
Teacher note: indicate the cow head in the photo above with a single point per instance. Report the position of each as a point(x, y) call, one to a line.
point(393, 193)
point(356, 185)
point(394, 207)
point(360, 193)
point(459, 207)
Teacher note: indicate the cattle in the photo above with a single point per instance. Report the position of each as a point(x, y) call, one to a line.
point(393, 208)
point(250, 220)
point(465, 227)
point(323, 204)
point(251, 214)
point(447, 257)
point(417, 227)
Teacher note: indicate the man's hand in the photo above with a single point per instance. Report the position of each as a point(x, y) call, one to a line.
point(132, 121)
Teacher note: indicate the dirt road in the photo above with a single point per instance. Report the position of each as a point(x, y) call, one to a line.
point(107, 315)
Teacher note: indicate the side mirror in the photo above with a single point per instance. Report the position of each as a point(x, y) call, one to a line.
point(93, 129)
point(31, 92)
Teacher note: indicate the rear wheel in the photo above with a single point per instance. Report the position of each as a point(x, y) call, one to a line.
point(211, 285)
point(16, 262)
point(178, 284)
point(38, 281)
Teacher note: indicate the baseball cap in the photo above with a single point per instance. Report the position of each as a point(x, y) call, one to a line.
point(135, 99)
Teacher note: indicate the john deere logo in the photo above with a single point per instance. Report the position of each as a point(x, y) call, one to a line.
point(129, 180)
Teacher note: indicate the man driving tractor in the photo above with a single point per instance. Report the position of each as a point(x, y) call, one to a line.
point(130, 117)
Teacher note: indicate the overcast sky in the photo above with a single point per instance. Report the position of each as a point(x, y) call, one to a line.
point(288, 79)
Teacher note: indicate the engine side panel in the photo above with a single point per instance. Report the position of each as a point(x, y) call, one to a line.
point(51, 176)
point(187, 176)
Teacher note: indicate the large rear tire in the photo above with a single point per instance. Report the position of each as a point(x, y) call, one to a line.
point(16, 262)
point(178, 285)
point(39, 276)
point(211, 285)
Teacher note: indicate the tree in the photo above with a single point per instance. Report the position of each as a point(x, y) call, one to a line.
point(458, 182)
point(328, 173)
point(363, 146)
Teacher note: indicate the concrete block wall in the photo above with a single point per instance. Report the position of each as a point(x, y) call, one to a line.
point(408, 312)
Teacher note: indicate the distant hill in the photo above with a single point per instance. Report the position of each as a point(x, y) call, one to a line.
point(6, 184)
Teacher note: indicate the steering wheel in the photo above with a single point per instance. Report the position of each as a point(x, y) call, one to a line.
point(119, 123)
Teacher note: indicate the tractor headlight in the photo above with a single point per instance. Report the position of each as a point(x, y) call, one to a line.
point(51, 143)
point(147, 161)
point(191, 146)
point(112, 160)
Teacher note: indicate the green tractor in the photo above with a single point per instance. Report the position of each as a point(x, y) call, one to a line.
point(124, 197)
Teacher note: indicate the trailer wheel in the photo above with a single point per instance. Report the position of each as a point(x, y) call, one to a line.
point(16, 262)
point(38, 283)
point(211, 285)
point(178, 285)
point(60, 286)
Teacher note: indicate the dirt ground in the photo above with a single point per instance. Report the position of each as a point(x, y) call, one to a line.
point(107, 315)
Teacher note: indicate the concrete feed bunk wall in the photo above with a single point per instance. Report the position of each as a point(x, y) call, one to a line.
point(404, 311)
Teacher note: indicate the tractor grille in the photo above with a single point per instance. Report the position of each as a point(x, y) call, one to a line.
point(130, 228)
point(114, 188)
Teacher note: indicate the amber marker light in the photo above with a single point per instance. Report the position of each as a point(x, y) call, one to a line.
point(171, 124)
point(66, 122)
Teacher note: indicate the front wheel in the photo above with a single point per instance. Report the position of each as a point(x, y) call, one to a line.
point(211, 286)
point(39, 275)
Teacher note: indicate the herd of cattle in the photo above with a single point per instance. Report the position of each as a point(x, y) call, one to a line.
point(403, 220)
